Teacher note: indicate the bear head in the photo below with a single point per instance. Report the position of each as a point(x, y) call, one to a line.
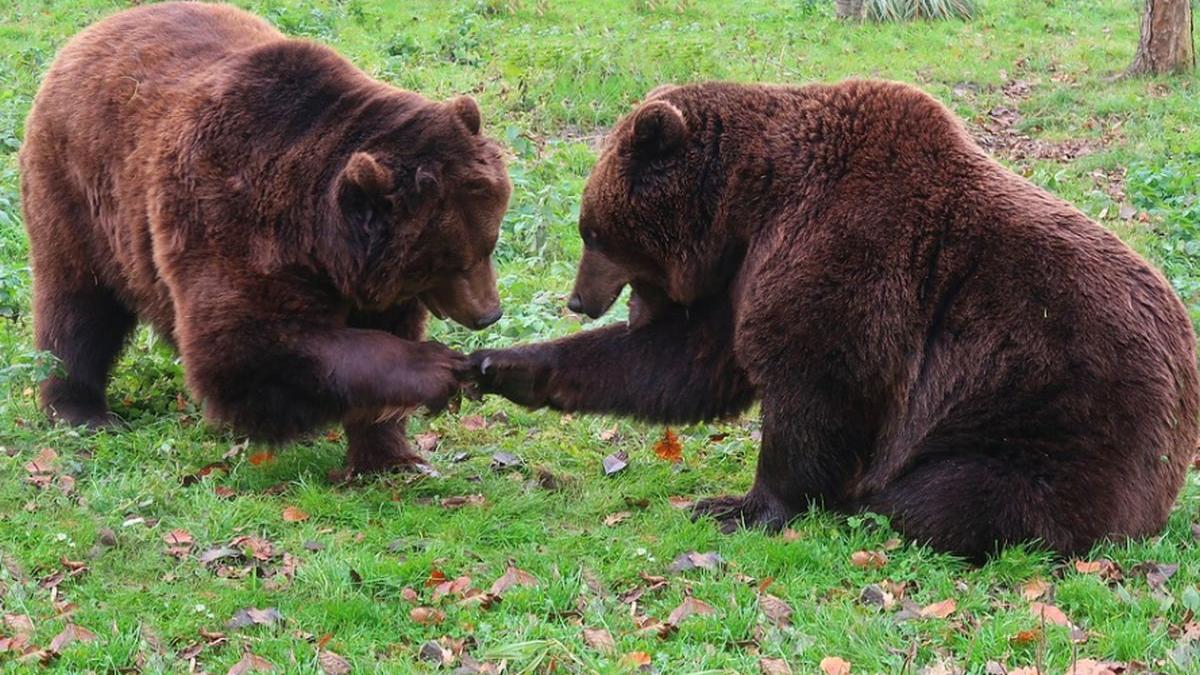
point(421, 202)
point(648, 215)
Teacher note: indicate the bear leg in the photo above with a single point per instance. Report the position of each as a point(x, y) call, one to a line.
point(972, 505)
point(756, 509)
point(380, 447)
point(85, 329)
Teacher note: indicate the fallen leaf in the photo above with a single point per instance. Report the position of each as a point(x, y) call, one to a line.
point(1027, 637)
point(332, 664)
point(617, 518)
point(615, 462)
point(774, 667)
point(778, 611)
point(1034, 589)
point(1050, 613)
point(255, 547)
point(218, 553)
point(179, 543)
point(689, 607)
point(253, 616)
point(875, 596)
point(939, 610)
point(681, 502)
point(473, 423)
point(71, 633)
point(251, 664)
point(1157, 574)
point(835, 665)
point(434, 653)
point(426, 615)
point(428, 441)
point(868, 560)
point(260, 458)
point(711, 561)
point(293, 514)
point(1093, 667)
point(457, 502)
point(600, 640)
point(512, 577)
point(206, 470)
point(19, 624)
point(45, 462)
point(224, 492)
point(635, 660)
point(610, 435)
point(668, 447)
point(791, 535)
point(502, 461)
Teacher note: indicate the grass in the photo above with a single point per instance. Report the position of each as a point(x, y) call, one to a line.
point(550, 77)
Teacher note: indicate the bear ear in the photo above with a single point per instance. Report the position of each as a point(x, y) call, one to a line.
point(467, 110)
point(366, 176)
point(658, 128)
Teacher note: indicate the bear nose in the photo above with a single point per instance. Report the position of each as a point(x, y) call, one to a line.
point(489, 319)
point(575, 303)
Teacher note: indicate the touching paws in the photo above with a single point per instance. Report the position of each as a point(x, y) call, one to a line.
point(520, 375)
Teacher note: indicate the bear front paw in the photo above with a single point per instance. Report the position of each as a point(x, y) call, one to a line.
point(750, 511)
point(513, 374)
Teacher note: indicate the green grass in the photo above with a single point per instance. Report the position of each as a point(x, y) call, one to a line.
point(550, 76)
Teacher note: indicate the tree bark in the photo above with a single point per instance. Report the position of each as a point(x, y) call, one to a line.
point(849, 9)
point(1166, 42)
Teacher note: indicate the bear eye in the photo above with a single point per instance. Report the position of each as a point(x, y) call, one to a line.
point(589, 239)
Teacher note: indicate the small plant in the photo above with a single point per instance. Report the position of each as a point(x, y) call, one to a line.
point(906, 10)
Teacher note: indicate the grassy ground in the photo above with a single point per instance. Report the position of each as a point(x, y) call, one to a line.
point(348, 566)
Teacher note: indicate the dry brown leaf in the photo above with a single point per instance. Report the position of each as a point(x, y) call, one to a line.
point(868, 560)
point(19, 624)
point(635, 660)
point(254, 547)
point(1027, 637)
point(251, 664)
point(778, 611)
point(409, 595)
point(473, 423)
point(224, 492)
point(426, 615)
point(687, 608)
point(1034, 589)
point(457, 502)
point(939, 610)
point(258, 459)
point(293, 514)
point(774, 667)
point(668, 447)
point(71, 633)
point(46, 462)
point(428, 441)
point(1093, 667)
point(680, 502)
point(332, 664)
point(617, 518)
point(1050, 613)
point(600, 640)
point(835, 665)
point(512, 577)
point(179, 543)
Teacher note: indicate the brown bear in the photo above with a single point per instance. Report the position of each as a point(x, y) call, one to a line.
point(931, 336)
point(280, 217)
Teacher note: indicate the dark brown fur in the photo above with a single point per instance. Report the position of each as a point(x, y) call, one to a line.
point(279, 216)
point(932, 337)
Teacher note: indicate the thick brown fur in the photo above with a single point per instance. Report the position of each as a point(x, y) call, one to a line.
point(276, 214)
point(931, 336)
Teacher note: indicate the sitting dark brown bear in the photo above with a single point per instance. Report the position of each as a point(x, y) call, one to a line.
point(932, 337)
point(275, 213)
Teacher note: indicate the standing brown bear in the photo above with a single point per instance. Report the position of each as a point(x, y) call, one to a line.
point(931, 336)
point(275, 213)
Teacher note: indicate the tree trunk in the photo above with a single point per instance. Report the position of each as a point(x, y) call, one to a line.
point(1166, 42)
point(849, 9)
